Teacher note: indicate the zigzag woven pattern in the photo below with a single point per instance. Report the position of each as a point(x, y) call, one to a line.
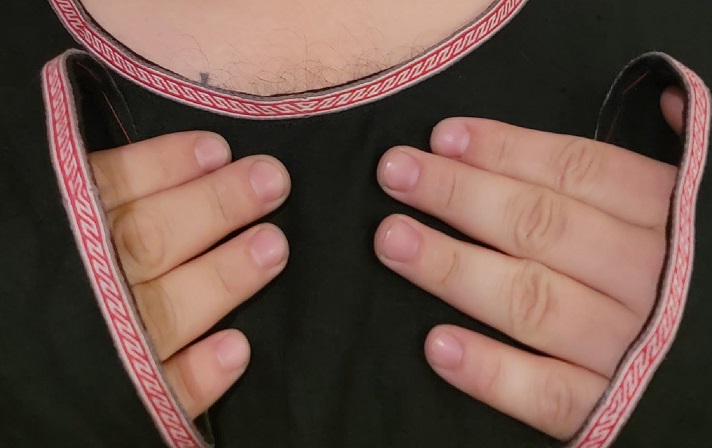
point(93, 243)
point(206, 98)
point(657, 340)
point(640, 364)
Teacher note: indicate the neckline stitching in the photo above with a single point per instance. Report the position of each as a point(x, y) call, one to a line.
point(170, 85)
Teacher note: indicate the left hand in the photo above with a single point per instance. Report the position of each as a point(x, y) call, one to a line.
point(581, 229)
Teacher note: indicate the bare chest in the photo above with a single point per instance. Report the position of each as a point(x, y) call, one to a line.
point(270, 47)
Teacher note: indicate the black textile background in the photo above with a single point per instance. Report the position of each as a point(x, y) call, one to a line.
point(337, 339)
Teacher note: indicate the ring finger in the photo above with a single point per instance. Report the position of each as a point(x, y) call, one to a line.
point(531, 303)
point(181, 305)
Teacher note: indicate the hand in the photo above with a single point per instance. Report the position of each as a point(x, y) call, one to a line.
point(168, 200)
point(581, 230)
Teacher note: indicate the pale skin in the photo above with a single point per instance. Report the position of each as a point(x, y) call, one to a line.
point(269, 47)
point(570, 216)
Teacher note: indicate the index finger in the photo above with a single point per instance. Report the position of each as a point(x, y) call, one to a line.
point(134, 171)
point(621, 183)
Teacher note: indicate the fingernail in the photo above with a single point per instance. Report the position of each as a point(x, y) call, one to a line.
point(446, 351)
point(267, 181)
point(232, 352)
point(267, 248)
point(450, 139)
point(400, 171)
point(211, 152)
point(401, 242)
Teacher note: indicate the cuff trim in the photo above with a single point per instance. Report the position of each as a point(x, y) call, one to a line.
point(642, 360)
point(86, 218)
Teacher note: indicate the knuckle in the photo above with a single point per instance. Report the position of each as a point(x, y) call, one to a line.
point(652, 268)
point(556, 403)
point(188, 386)
point(224, 202)
point(576, 165)
point(626, 332)
point(505, 155)
point(108, 182)
point(231, 289)
point(450, 271)
point(158, 316)
point(539, 221)
point(140, 240)
point(659, 248)
point(451, 198)
point(488, 379)
point(531, 301)
point(656, 261)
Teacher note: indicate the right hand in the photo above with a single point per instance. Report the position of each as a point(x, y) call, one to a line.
point(167, 201)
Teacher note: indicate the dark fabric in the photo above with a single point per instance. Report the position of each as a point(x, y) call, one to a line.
point(337, 338)
point(61, 382)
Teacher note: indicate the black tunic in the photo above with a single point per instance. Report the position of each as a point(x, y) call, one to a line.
point(337, 337)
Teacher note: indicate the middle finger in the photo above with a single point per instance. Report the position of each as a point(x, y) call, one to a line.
point(186, 302)
point(531, 222)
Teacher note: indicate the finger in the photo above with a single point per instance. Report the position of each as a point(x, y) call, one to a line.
point(203, 372)
point(672, 104)
point(531, 222)
point(157, 233)
point(545, 393)
point(181, 305)
point(138, 170)
point(624, 184)
point(532, 304)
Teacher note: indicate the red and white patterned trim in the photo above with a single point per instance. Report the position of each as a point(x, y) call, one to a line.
point(92, 237)
point(648, 352)
point(94, 242)
point(187, 92)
